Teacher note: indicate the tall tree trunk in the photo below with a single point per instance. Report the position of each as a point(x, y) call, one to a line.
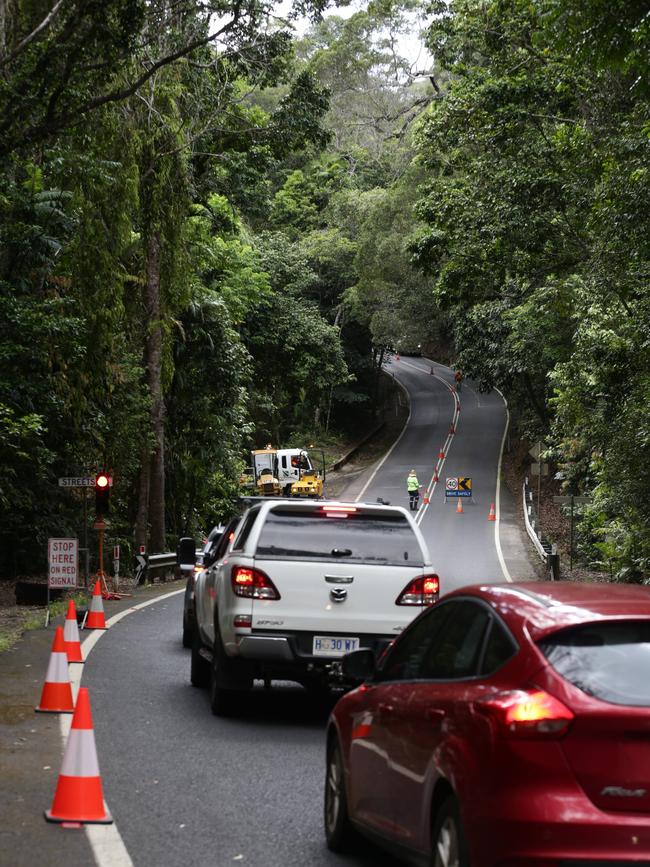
point(154, 350)
point(3, 28)
point(142, 516)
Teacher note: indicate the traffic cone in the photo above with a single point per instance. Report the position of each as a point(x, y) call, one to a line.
point(441, 454)
point(493, 515)
point(426, 499)
point(452, 429)
point(57, 691)
point(71, 634)
point(79, 796)
point(96, 619)
point(459, 506)
point(435, 476)
point(397, 356)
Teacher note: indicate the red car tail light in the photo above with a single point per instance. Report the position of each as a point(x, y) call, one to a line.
point(420, 591)
point(529, 713)
point(252, 584)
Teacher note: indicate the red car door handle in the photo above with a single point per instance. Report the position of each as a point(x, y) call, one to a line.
point(386, 709)
point(435, 714)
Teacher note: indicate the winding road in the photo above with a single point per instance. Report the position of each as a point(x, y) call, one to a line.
point(186, 788)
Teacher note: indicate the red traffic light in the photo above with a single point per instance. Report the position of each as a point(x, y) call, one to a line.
point(102, 494)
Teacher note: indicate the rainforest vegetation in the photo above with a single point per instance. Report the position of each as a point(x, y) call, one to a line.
point(216, 218)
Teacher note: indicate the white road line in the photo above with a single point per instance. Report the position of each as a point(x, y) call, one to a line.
point(105, 840)
point(422, 511)
point(431, 487)
point(383, 460)
point(497, 537)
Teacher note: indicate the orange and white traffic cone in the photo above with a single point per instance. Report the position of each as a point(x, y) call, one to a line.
point(435, 476)
point(426, 499)
point(71, 634)
point(493, 515)
point(96, 618)
point(397, 356)
point(57, 690)
point(79, 796)
point(459, 506)
point(441, 454)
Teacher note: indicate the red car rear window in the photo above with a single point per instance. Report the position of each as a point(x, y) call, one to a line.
point(610, 661)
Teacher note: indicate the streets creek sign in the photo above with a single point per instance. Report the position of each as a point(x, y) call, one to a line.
point(79, 482)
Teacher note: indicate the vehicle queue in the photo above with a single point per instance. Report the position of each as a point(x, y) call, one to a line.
point(500, 725)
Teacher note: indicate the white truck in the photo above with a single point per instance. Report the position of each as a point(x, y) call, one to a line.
point(300, 584)
point(286, 472)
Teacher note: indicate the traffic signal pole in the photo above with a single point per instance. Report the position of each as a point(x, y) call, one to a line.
point(102, 493)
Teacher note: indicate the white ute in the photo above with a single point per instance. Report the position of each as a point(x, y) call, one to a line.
point(301, 584)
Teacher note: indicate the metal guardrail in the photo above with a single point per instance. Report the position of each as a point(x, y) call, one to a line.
point(161, 561)
point(546, 551)
point(160, 564)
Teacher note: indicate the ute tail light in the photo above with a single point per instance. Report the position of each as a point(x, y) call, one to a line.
point(423, 590)
point(252, 584)
point(528, 713)
point(336, 511)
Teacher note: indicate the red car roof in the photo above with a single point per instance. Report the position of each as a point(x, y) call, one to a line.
point(545, 606)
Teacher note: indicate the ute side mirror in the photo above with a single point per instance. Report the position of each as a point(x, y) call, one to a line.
point(359, 665)
point(186, 554)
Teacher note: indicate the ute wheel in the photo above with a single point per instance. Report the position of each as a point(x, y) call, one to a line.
point(339, 832)
point(448, 844)
point(199, 667)
point(188, 633)
point(228, 681)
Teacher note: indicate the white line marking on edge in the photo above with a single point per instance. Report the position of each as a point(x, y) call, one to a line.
point(497, 538)
point(105, 841)
point(383, 460)
point(431, 486)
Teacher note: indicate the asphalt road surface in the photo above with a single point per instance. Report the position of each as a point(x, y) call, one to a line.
point(462, 546)
point(186, 788)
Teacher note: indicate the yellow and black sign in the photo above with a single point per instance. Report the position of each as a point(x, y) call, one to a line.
point(458, 486)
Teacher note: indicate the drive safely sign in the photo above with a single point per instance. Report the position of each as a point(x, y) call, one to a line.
point(63, 557)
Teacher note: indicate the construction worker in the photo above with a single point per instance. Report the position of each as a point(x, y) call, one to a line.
point(413, 489)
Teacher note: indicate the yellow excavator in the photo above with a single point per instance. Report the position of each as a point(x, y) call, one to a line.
point(285, 473)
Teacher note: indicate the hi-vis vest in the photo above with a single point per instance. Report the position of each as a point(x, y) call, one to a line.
point(412, 483)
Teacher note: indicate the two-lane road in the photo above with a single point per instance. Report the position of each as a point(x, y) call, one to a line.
point(463, 546)
point(186, 788)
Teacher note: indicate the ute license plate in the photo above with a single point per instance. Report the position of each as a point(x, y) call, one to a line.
point(326, 645)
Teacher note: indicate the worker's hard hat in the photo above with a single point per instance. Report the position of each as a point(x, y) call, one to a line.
point(412, 473)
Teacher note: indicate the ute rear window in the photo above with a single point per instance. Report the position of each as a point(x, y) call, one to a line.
point(610, 661)
point(355, 538)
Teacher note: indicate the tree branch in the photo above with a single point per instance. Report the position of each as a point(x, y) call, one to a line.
point(25, 42)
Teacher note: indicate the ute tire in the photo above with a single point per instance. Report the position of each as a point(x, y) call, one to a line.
point(199, 667)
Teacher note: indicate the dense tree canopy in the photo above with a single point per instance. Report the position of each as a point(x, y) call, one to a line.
point(213, 228)
point(536, 238)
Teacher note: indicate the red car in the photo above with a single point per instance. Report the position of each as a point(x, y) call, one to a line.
point(508, 726)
